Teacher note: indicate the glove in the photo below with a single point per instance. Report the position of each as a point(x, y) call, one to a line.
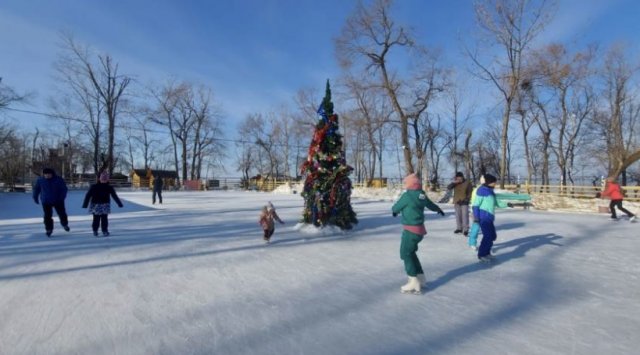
point(36, 201)
point(598, 195)
point(441, 213)
point(395, 214)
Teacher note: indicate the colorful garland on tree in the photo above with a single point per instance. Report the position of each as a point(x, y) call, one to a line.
point(327, 187)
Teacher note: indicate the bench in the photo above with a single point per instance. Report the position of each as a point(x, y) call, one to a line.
point(520, 200)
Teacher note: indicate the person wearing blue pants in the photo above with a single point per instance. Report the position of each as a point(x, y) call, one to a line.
point(484, 212)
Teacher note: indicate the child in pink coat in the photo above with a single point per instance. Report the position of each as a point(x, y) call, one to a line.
point(268, 216)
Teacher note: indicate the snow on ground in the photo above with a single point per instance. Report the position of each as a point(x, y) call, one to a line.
point(192, 276)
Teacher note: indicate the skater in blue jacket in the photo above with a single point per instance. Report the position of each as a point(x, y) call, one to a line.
point(484, 207)
point(51, 190)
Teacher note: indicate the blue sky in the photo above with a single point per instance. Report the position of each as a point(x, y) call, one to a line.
point(255, 54)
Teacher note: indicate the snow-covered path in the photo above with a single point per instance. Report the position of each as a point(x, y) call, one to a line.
point(192, 276)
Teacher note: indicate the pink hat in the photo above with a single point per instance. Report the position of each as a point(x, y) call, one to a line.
point(412, 182)
point(104, 177)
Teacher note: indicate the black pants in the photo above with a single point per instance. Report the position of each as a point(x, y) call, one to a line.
point(100, 219)
point(159, 192)
point(268, 233)
point(48, 215)
point(618, 203)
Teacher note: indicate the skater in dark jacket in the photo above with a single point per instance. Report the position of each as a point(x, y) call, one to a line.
point(157, 189)
point(51, 190)
point(411, 206)
point(98, 199)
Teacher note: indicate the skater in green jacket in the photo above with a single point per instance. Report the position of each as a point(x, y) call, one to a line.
point(411, 205)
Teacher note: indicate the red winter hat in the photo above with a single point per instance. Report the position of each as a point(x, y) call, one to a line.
point(412, 182)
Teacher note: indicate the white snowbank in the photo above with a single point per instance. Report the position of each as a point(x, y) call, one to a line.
point(310, 229)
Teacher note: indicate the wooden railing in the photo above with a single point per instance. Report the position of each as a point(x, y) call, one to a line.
point(632, 193)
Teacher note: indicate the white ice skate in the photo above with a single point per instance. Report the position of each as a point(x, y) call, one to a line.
point(412, 286)
point(632, 219)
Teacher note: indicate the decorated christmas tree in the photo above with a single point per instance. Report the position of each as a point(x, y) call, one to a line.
point(327, 187)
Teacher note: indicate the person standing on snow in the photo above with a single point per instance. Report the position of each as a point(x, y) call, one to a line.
point(100, 197)
point(484, 207)
point(268, 216)
point(411, 205)
point(461, 197)
point(51, 190)
point(613, 191)
point(157, 189)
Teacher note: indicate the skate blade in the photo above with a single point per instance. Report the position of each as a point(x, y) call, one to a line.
point(412, 292)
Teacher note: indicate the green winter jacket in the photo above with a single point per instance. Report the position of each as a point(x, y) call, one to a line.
point(412, 204)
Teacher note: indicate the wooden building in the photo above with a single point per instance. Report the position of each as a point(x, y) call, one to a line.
point(144, 178)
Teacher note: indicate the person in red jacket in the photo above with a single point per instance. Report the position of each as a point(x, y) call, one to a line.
point(612, 191)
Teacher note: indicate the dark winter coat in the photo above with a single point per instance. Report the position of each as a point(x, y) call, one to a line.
point(100, 193)
point(461, 192)
point(157, 184)
point(50, 191)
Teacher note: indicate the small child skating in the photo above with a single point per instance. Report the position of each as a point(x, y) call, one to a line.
point(100, 197)
point(268, 216)
point(411, 205)
point(613, 191)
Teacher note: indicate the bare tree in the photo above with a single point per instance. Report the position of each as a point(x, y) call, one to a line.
point(566, 77)
point(369, 37)
point(371, 116)
point(619, 125)
point(460, 111)
point(435, 142)
point(168, 113)
point(97, 82)
point(512, 26)
point(9, 96)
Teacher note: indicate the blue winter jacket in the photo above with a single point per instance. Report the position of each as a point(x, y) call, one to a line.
point(485, 203)
point(50, 191)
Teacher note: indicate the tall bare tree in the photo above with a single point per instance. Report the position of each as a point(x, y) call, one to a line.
point(371, 116)
point(100, 80)
point(565, 78)
point(369, 37)
point(619, 125)
point(511, 26)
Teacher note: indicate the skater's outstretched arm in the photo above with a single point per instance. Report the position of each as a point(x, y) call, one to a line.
point(87, 197)
point(112, 191)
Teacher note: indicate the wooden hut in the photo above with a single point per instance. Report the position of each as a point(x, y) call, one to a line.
point(144, 178)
